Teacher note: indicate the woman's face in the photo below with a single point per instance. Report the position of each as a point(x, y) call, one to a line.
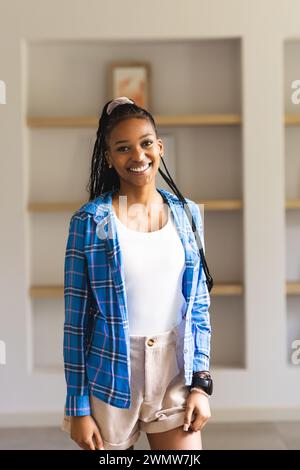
point(133, 145)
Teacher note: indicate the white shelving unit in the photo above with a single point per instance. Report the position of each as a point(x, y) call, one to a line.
point(204, 120)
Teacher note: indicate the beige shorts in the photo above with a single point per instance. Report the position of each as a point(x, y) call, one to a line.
point(157, 389)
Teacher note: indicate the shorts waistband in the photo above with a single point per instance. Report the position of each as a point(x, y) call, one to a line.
point(160, 339)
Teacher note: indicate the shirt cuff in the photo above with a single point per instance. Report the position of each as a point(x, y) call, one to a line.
point(78, 405)
point(201, 362)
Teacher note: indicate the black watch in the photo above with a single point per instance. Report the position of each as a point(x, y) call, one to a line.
point(205, 383)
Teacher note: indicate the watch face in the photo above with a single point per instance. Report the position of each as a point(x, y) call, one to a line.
point(205, 384)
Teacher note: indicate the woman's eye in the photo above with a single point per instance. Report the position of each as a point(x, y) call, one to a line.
point(147, 142)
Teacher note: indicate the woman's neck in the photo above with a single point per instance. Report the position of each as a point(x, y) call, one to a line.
point(144, 196)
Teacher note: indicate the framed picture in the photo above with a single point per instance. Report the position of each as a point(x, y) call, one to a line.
point(130, 79)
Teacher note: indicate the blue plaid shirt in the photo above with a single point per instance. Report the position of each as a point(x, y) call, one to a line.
point(96, 345)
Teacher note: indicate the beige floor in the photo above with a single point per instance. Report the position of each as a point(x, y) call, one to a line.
point(215, 436)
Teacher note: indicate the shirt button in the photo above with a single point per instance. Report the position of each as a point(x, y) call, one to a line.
point(150, 342)
point(185, 351)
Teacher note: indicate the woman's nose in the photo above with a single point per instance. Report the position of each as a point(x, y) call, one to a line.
point(138, 154)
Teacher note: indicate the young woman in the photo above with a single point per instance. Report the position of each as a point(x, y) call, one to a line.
point(137, 329)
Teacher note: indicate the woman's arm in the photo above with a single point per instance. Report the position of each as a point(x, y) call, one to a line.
point(201, 327)
point(77, 299)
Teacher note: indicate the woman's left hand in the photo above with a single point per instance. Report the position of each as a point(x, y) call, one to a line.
point(198, 404)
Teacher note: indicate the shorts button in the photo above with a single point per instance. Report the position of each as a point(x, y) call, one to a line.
point(150, 342)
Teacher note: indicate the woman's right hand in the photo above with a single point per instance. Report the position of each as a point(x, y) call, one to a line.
point(85, 432)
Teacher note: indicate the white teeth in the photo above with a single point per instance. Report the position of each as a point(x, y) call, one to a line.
point(140, 169)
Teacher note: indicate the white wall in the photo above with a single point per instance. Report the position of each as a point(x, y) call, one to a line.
point(254, 393)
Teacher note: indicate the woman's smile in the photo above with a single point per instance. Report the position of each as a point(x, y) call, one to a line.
point(140, 170)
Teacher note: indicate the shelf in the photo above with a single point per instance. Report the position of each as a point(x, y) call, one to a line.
point(202, 111)
point(293, 288)
point(227, 289)
point(54, 292)
point(292, 119)
point(199, 120)
point(46, 292)
point(293, 204)
point(209, 205)
point(221, 204)
point(161, 120)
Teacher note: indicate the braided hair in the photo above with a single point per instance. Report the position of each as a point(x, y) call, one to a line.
point(103, 178)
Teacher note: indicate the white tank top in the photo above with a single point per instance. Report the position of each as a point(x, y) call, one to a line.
point(154, 264)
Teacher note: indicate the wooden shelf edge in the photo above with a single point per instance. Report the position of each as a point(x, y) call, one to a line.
point(209, 205)
point(46, 291)
point(221, 204)
point(293, 288)
point(224, 289)
point(198, 120)
point(219, 289)
point(292, 204)
point(292, 119)
point(161, 120)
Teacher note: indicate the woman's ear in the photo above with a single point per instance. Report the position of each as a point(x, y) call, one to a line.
point(161, 147)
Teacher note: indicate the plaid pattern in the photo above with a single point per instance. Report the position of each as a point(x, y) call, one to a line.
point(96, 345)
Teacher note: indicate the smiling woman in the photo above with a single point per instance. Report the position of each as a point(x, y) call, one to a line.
point(137, 329)
point(127, 145)
point(139, 155)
